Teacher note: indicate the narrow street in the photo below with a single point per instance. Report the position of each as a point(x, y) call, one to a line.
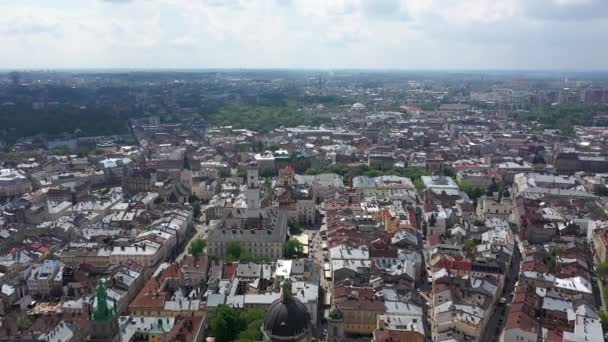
point(498, 319)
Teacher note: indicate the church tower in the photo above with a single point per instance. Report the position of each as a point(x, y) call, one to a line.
point(186, 173)
point(104, 322)
point(335, 325)
point(253, 191)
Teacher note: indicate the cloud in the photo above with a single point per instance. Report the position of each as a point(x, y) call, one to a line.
point(385, 9)
point(566, 10)
point(222, 3)
point(284, 3)
point(117, 1)
point(429, 34)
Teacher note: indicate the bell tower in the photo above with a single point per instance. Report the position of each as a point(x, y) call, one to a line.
point(253, 191)
point(335, 325)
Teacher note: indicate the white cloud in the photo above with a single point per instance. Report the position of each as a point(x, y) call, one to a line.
point(430, 34)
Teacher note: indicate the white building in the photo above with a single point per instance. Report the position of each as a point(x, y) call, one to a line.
point(46, 279)
point(264, 161)
point(146, 253)
point(13, 183)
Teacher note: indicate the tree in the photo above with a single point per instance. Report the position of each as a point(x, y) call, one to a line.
point(492, 188)
point(197, 247)
point(225, 324)
point(474, 192)
point(295, 228)
point(604, 319)
point(602, 270)
point(419, 185)
point(448, 172)
point(602, 190)
point(234, 251)
point(24, 323)
point(294, 249)
point(230, 324)
point(469, 245)
point(251, 320)
point(196, 210)
point(551, 260)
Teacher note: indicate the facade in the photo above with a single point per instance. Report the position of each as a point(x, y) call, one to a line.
point(46, 279)
point(13, 183)
point(600, 243)
point(494, 207)
point(138, 180)
point(265, 162)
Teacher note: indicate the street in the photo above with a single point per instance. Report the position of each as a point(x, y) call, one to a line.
point(498, 319)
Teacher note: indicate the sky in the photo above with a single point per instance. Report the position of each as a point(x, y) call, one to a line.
point(312, 34)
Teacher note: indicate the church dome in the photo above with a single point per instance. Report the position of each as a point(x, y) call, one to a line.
point(286, 317)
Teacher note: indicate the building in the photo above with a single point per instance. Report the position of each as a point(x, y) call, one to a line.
point(13, 183)
point(360, 309)
point(490, 207)
point(600, 243)
point(46, 279)
point(287, 319)
point(389, 186)
point(261, 232)
point(265, 162)
point(138, 180)
point(147, 328)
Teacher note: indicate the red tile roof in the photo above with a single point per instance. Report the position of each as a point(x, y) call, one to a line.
point(229, 270)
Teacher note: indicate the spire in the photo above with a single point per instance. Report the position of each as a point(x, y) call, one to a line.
point(287, 295)
point(102, 311)
point(186, 165)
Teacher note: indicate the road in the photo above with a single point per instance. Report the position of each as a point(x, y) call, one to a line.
point(498, 319)
point(316, 253)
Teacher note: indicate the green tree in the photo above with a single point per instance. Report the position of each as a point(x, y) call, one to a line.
point(197, 247)
point(234, 251)
point(551, 260)
point(602, 270)
point(24, 323)
point(196, 210)
point(474, 192)
point(419, 185)
point(294, 249)
point(469, 246)
point(604, 319)
point(230, 324)
point(225, 324)
point(295, 228)
point(252, 320)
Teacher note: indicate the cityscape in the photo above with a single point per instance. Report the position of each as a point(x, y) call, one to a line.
point(304, 171)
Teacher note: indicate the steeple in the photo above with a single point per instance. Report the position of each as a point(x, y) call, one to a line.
point(103, 312)
point(186, 165)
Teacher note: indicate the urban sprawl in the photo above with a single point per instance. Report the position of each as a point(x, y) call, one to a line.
point(303, 206)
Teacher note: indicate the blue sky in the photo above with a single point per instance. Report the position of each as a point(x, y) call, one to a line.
point(327, 34)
